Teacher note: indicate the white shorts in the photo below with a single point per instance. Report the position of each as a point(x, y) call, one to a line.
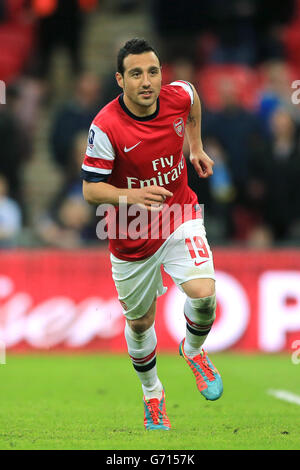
point(185, 255)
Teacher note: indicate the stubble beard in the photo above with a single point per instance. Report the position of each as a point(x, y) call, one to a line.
point(143, 103)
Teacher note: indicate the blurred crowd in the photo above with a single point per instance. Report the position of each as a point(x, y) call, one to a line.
point(241, 55)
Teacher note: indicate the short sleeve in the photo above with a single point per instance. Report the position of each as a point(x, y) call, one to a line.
point(186, 86)
point(99, 158)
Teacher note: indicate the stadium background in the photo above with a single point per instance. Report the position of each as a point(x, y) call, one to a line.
point(58, 66)
point(60, 320)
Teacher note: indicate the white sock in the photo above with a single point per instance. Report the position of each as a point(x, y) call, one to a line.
point(193, 344)
point(156, 392)
point(199, 314)
point(142, 351)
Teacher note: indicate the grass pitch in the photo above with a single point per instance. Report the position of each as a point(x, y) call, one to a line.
point(95, 402)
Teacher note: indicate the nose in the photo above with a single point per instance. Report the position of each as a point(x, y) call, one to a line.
point(146, 81)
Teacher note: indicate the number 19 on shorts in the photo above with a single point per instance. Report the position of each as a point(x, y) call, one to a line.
point(197, 247)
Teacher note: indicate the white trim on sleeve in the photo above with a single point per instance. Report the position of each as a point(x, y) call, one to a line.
point(101, 171)
point(187, 87)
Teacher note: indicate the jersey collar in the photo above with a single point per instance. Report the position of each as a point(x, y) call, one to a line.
point(133, 116)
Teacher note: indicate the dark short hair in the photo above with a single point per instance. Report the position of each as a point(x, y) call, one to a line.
point(133, 46)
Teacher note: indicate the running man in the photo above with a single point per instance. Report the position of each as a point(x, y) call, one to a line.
point(134, 152)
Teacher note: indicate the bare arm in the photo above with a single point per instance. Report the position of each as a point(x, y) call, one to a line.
point(193, 125)
point(150, 197)
point(102, 193)
point(200, 160)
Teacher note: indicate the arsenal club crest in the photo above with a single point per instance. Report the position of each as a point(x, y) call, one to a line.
point(179, 127)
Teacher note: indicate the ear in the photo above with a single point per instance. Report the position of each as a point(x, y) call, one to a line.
point(120, 79)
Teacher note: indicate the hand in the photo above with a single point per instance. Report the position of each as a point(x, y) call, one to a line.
point(150, 197)
point(202, 164)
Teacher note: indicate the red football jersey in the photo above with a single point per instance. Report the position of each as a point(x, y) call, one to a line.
point(128, 151)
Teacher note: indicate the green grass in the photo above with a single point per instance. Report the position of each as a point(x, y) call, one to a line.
point(95, 402)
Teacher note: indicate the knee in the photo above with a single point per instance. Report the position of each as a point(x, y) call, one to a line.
point(140, 325)
point(145, 322)
point(201, 309)
point(200, 288)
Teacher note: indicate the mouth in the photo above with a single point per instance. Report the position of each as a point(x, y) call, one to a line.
point(146, 93)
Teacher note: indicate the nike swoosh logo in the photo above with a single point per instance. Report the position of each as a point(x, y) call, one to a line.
point(131, 148)
point(198, 264)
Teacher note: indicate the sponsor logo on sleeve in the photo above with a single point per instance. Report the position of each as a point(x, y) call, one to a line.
point(91, 138)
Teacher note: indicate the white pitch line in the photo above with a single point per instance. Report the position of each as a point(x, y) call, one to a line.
point(285, 395)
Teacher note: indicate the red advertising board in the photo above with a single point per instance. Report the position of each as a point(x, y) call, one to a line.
point(66, 301)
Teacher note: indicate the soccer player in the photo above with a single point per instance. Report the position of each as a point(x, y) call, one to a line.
point(134, 157)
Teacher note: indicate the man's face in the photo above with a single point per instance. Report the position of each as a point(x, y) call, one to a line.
point(141, 82)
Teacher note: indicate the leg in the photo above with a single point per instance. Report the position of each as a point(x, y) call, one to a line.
point(189, 262)
point(199, 311)
point(141, 342)
point(144, 323)
point(196, 288)
point(200, 308)
point(138, 285)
